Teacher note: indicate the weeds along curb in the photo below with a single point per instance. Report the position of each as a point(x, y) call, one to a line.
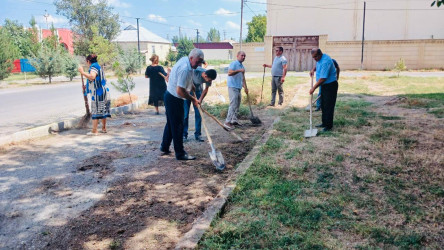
point(55, 127)
point(201, 224)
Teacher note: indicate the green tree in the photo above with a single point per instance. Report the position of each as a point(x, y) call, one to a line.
point(48, 62)
point(184, 47)
point(171, 57)
point(257, 28)
point(175, 39)
point(125, 83)
point(85, 14)
point(400, 66)
point(21, 38)
point(8, 53)
point(70, 66)
point(213, 35)
point(105, 50)
point(438, 3)
point(130, 61)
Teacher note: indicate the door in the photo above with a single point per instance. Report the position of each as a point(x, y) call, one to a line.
point(297, 50)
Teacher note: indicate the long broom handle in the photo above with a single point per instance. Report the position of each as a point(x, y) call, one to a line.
point(263, 79)
point(311, 99)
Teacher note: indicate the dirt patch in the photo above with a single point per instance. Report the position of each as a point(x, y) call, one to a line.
point(154, 205)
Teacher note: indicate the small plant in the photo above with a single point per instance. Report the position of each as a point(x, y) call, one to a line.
point(400, 66)
point(125, 83)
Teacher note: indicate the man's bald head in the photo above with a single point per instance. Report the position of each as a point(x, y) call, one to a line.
point(241, 56)
point(316, 53)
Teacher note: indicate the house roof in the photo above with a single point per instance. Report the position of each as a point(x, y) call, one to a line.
point(219, 45)
point(129, 34)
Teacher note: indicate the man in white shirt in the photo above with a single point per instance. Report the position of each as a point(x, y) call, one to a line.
point(179, 86)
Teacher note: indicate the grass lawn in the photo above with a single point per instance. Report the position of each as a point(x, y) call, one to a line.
point(376, 181)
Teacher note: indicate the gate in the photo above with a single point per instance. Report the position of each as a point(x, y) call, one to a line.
point(297, 50)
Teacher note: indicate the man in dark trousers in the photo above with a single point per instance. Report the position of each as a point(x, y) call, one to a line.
point(178, 90)
point(338, 70)
point(278, 73)
point(325, 77)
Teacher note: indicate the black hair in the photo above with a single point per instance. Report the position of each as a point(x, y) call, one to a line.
point(92, 58)
point(211, 73)
point(280, 48)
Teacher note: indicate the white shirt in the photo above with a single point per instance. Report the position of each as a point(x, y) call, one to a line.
point(181, 76)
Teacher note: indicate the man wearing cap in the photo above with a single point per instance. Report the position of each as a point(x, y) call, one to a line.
point(325, 77)
point(179, 86)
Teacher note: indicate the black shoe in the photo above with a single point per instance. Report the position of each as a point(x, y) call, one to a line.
point(186, 157)
point(199, 139)
point(280, 104)
point(270, 105)
point(164, 152)
point(237, 124)
point(320, 125)
point(326, 129)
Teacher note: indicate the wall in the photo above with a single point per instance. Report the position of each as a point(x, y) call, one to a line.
point(342, 20)
point(255, 55)
point(161, 49)
point(381, 55)
point(218, 54)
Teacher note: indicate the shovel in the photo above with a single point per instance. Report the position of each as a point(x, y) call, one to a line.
point(311, 132)
point(263, 79)
point(255, 120)
point(313, 103)
point(221, 97)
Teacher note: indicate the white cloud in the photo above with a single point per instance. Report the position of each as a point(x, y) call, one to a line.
point(118, 4)
point(52, 19)
point(156, 18)
point(223, 12)
point(232, 25)
point(194, 23)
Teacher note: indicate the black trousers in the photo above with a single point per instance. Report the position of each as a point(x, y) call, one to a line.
point(328, 102)
point(174, 127)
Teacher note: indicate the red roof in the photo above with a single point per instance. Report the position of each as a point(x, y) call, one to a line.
point(221, 45)
point(65, 35)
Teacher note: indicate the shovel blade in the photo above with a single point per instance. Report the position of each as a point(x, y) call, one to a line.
point(310, 133)
point(217, 159)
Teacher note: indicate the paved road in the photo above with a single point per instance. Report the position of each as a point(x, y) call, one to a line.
point(28, 107)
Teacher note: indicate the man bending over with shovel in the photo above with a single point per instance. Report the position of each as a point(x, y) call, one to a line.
point(179, 85)
point(235, 82)
point(325, 77)
point(200, 76)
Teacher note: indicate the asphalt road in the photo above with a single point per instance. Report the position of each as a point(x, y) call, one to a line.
point(28, 107)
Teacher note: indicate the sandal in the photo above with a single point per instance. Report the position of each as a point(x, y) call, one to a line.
point(92, 134)
point(103, 131)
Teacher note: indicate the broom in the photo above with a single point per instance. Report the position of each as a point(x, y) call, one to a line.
point(85, 119)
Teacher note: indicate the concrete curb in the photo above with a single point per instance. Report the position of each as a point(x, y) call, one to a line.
point(201, 224)
point(61, 126)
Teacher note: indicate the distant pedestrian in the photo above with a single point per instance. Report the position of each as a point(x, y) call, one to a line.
point(235, 82)
point(338, 70)
point(200, 76)
point(278, 73)
point(157, 82)
point(327, 78)
point(179, 85)
point(96, 86)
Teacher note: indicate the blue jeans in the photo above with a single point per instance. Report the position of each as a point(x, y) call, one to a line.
point(197, 117)
point(318, 103)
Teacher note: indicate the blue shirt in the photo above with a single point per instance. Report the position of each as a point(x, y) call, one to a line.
point(235, 81)
point(180, 76)
point(277, 68)
point(326, 69)
point(198, 80)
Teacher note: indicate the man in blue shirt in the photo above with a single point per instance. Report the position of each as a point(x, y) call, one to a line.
point(325, 77)
point(235, 82)
point(179, 85)
point(278, 73)
point(200, 76)
point(338, 70)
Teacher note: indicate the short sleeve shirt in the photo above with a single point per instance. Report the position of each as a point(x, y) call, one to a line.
point(326, 69)
point(277, 68)
point(198, 80)
point(180, 76)
point(236, 80)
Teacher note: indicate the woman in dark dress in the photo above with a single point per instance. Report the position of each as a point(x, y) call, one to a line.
point(157, 82)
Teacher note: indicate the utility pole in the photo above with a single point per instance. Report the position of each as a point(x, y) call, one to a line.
point(363, 30)
point(242, 15)
point(138, 40)
point(46, 17)
point(180, 33)
point(225, 35)
point(197, 38)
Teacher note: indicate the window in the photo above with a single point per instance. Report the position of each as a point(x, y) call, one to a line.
point(154, 49)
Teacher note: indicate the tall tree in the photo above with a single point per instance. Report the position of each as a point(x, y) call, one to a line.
point(21, 37)
point(257, 28)
point(105, 50)
point(48, 62)
point(8, 52)
point(184, 47)
point(213, 35)
point(85, 14)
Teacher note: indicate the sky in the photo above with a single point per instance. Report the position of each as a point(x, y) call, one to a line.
point(162, 17)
